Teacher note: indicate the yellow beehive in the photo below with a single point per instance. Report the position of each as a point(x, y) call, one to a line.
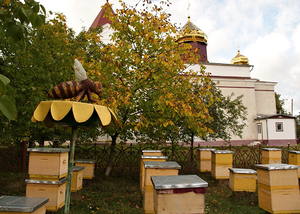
point(153, 168)
point(271, 156)
point(294, 159)
point(89, 168)
point(278, 188)
point(22, 205)
point(54, 190)
point(77, 178)
point(142, 168)
point(204, 159)
point(152, 153)
point(179, 194)
point(242, 179)
point(49, 164)
point(221, 161)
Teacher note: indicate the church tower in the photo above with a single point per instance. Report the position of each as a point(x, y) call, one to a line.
point(103, 20)
point(191, 34)
point(239, 59)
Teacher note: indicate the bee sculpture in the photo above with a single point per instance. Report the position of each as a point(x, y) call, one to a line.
point(83, 86)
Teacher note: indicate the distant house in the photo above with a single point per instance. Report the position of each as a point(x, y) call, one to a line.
point(258, 96)
point(276, 129)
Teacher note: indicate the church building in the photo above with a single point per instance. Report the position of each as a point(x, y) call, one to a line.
point(263, 124)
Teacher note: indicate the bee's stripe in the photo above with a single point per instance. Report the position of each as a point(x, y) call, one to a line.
point(56, 90)
point(64, 89)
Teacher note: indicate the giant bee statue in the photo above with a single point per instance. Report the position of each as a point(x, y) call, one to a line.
point(78, 89)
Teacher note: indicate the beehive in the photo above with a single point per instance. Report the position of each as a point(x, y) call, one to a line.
point(152, 153)
point(278, 188)
point(221, 161)
point(271, 156)
point(49, 164)
point(204, 159)
point(89, 168)
point(178, 194)
point(54, 190)
point(142, 168)
point(242, 179)
point(294, 159)
point(77, 178)
point(153, 168)
point(22, 205)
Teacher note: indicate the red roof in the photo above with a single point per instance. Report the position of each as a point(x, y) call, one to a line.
point(100, 19)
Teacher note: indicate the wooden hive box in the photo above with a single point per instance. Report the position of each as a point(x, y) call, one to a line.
point(22, 205)
point(153, 168)
point(89, 168)
point(179, 194)
point(142, 168)
point(77, 178)
point(49, 164)
point(221, 161)
point(278, 188)
point(152, 153)
point(204, 159)
point(242, 179)
point(271, 156)
point(294, 159)
point(54, 190)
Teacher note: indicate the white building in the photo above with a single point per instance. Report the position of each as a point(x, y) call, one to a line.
point(235, 77)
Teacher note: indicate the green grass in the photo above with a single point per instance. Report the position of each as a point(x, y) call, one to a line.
point(122, 195)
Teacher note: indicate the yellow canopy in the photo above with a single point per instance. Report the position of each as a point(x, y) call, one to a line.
point(70, 113)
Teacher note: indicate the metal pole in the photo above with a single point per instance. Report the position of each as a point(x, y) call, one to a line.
point(70, 170)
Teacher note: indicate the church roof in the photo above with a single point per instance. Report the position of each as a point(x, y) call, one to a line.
point(101, 18)
point(240, 59)
point(190, 32)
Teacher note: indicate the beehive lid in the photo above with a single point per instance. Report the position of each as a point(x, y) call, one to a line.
point(295, 152)
point(151, 151)
point(242, 171)
point(154, 157)
point(161, 165)
point(78, 168)
point(206, 149)
point(178, 182)
point(271, 149)
point(222, 151)
point(21, 203)
point(276, 166)
point(48, 150)
point(84, 161)
point(61, 181)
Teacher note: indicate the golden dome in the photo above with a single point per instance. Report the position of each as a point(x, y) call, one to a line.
point(190, 32)
point(239, 59)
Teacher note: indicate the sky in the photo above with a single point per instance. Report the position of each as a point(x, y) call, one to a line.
point(265, 31)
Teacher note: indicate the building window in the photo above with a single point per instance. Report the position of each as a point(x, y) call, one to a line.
point(279, 127)
point(259, 128)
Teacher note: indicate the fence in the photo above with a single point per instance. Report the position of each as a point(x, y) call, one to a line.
point(127, 158)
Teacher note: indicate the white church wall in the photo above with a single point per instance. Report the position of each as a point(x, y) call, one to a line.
point(228, 70)
point(106, 33)
point(246, 88)
point(265, 98)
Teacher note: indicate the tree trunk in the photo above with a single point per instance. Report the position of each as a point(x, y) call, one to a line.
point(112, 154)
point(192, 149)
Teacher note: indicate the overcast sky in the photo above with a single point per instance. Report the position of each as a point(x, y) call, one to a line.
point(266, 31)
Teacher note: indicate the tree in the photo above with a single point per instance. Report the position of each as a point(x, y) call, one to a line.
point(14, 16)
point(142, 79)
point(46, 62)
point(279, 104)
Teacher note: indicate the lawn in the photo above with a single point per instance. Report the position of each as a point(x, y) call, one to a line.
point(122, 195)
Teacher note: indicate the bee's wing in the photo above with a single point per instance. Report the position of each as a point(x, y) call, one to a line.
point(80, 73)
